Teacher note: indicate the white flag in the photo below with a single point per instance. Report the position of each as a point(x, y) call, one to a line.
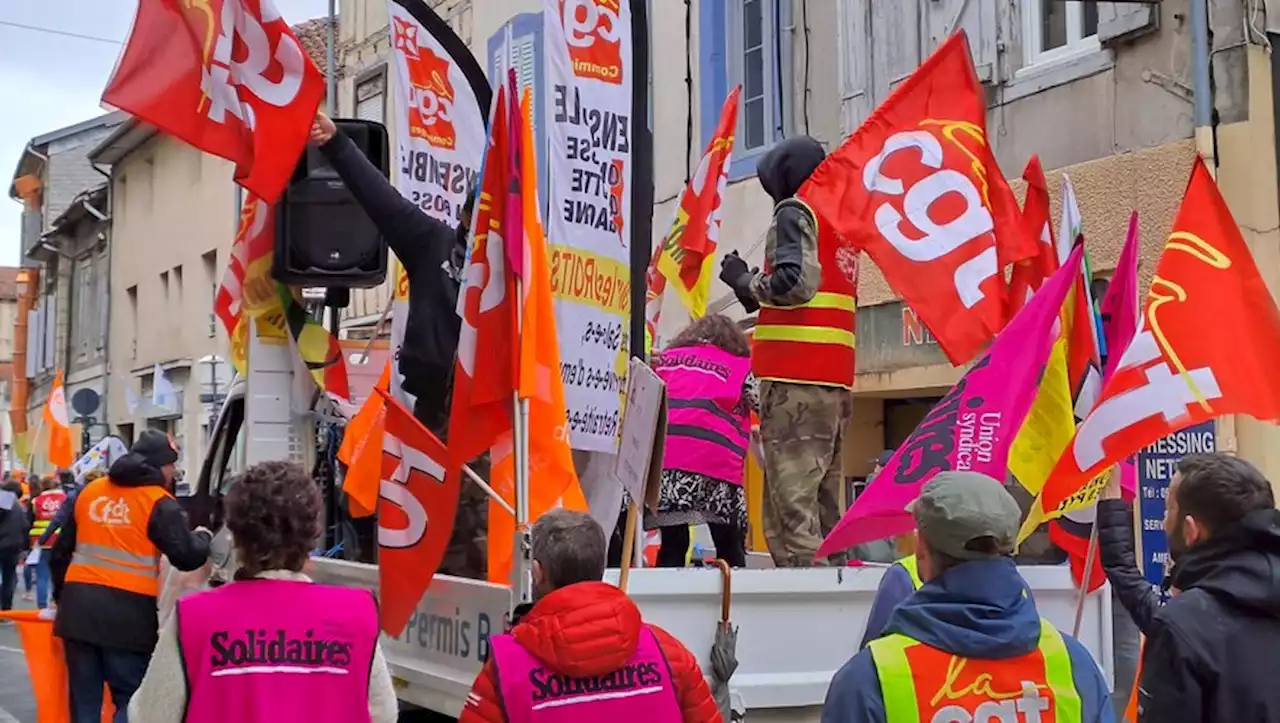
point(163, 394)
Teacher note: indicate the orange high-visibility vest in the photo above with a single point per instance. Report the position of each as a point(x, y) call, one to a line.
point(112, 546)
point(812, 343)
point(920, 684)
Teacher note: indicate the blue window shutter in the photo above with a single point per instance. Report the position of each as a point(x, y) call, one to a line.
point(527, 42)
point(713, 80)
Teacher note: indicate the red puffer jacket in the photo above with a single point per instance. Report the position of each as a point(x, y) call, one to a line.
point(591, 628)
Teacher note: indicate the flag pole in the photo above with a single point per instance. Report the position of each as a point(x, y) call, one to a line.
point(522, 567)
point(1090, 555)
point(31, 445)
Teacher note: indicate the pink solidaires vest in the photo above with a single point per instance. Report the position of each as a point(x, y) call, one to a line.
point(264, 651)
point(641, 690)
point(706, 432)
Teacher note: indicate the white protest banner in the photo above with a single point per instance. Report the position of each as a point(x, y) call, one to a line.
point(439, 140)
point(588, 120)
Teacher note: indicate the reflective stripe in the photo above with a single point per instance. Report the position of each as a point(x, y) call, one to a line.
point(897, 686)
point(810, 334)
point(821, 300)
point(117, 555)
point(909, 564)
point(1057, 673)
point(80, 558)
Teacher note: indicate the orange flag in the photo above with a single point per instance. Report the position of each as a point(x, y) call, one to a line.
point(47, 667)
point(1206, 347)
point(417, 502)
point(553, 481)
point(361, 450)
point(57, 421)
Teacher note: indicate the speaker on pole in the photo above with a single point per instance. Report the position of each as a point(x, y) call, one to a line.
point(323, 237)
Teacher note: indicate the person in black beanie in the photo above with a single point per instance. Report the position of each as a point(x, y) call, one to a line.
point(106, 571)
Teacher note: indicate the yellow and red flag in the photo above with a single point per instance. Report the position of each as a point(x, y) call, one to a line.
point(417, 502)
point(249, 291)
point(1206, 347)
point(687, 254)
point(56, 420)
point(361, 450)
point(918, 188)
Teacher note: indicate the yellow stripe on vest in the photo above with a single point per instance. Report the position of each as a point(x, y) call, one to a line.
point(809, 334)
point(898, 688)
point(821, 300)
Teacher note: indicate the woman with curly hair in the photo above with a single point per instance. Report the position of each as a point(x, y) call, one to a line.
point(236, 652)
point(710, 396)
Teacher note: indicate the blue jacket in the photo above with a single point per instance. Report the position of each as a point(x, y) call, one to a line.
point(981, 610)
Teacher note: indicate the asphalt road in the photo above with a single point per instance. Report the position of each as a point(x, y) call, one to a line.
point(16, 703)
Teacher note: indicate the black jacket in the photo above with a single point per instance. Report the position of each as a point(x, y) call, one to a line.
point(110, 617)
point(1120, 562)
point(1211, 651)
point(432, 254)
point(15, 525)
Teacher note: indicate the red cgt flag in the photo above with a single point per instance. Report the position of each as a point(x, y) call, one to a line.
point(1206, 347)
point(1029, 273)
point(918, 188)
point(226, 76)
point(417, 501)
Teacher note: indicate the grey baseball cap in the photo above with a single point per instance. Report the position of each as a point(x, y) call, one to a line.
point(956, 508)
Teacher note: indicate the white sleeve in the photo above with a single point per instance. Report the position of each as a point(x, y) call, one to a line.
point(162, 697)
point(383, 707)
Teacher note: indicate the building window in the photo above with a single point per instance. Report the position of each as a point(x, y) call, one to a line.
point(209, 260)
point(1056, 30)
point(132, 294)
point(742, 43)
point(371, 97)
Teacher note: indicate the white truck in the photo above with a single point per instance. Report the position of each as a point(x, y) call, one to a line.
point(796, 627)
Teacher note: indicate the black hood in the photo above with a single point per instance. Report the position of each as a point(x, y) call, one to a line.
point(132, 470)
point(1239, 565)
point(785, 168)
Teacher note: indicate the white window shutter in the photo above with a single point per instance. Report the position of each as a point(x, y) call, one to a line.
point(525, 61)
point(895, 45)
point(34, 334)
point(1125, 20)
point(856, 102)
point(977, 18)
point(371, 99)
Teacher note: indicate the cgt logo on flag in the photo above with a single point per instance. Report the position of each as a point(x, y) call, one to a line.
point(431, 95)
point(273, 74)
point(591, 29)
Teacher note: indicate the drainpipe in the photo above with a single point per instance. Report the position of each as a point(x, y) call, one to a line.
point(1202, 82)
point(111, 255)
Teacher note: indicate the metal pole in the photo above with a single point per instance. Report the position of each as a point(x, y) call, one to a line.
point(1198, 19)
point(330, 66)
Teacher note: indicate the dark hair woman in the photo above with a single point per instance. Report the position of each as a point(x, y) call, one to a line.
point(234, 652)
point(711, 393)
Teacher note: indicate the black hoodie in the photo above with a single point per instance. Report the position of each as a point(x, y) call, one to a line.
point(113, 618)
point(1211, 651)
point(792, 269)
point(433, 255)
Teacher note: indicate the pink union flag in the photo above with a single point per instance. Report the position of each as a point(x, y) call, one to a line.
point(973, 426)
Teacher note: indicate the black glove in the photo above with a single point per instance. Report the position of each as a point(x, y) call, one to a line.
point(732, 271)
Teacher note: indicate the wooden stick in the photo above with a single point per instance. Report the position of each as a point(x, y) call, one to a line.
point(1090, 556)
point(493, 494)
point(628, 544)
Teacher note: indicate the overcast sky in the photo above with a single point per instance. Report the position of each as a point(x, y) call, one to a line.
point(50, 80)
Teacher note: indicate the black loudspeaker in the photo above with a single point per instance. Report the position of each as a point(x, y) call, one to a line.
point(323, 237)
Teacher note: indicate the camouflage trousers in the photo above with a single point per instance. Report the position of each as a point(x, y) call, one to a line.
point(802, 430)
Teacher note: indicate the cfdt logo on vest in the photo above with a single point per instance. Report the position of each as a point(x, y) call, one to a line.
point(431, 95)
point(107, 511)
point(592, 32)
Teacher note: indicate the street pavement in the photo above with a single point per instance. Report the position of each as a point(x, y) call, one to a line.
point(16, 702)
